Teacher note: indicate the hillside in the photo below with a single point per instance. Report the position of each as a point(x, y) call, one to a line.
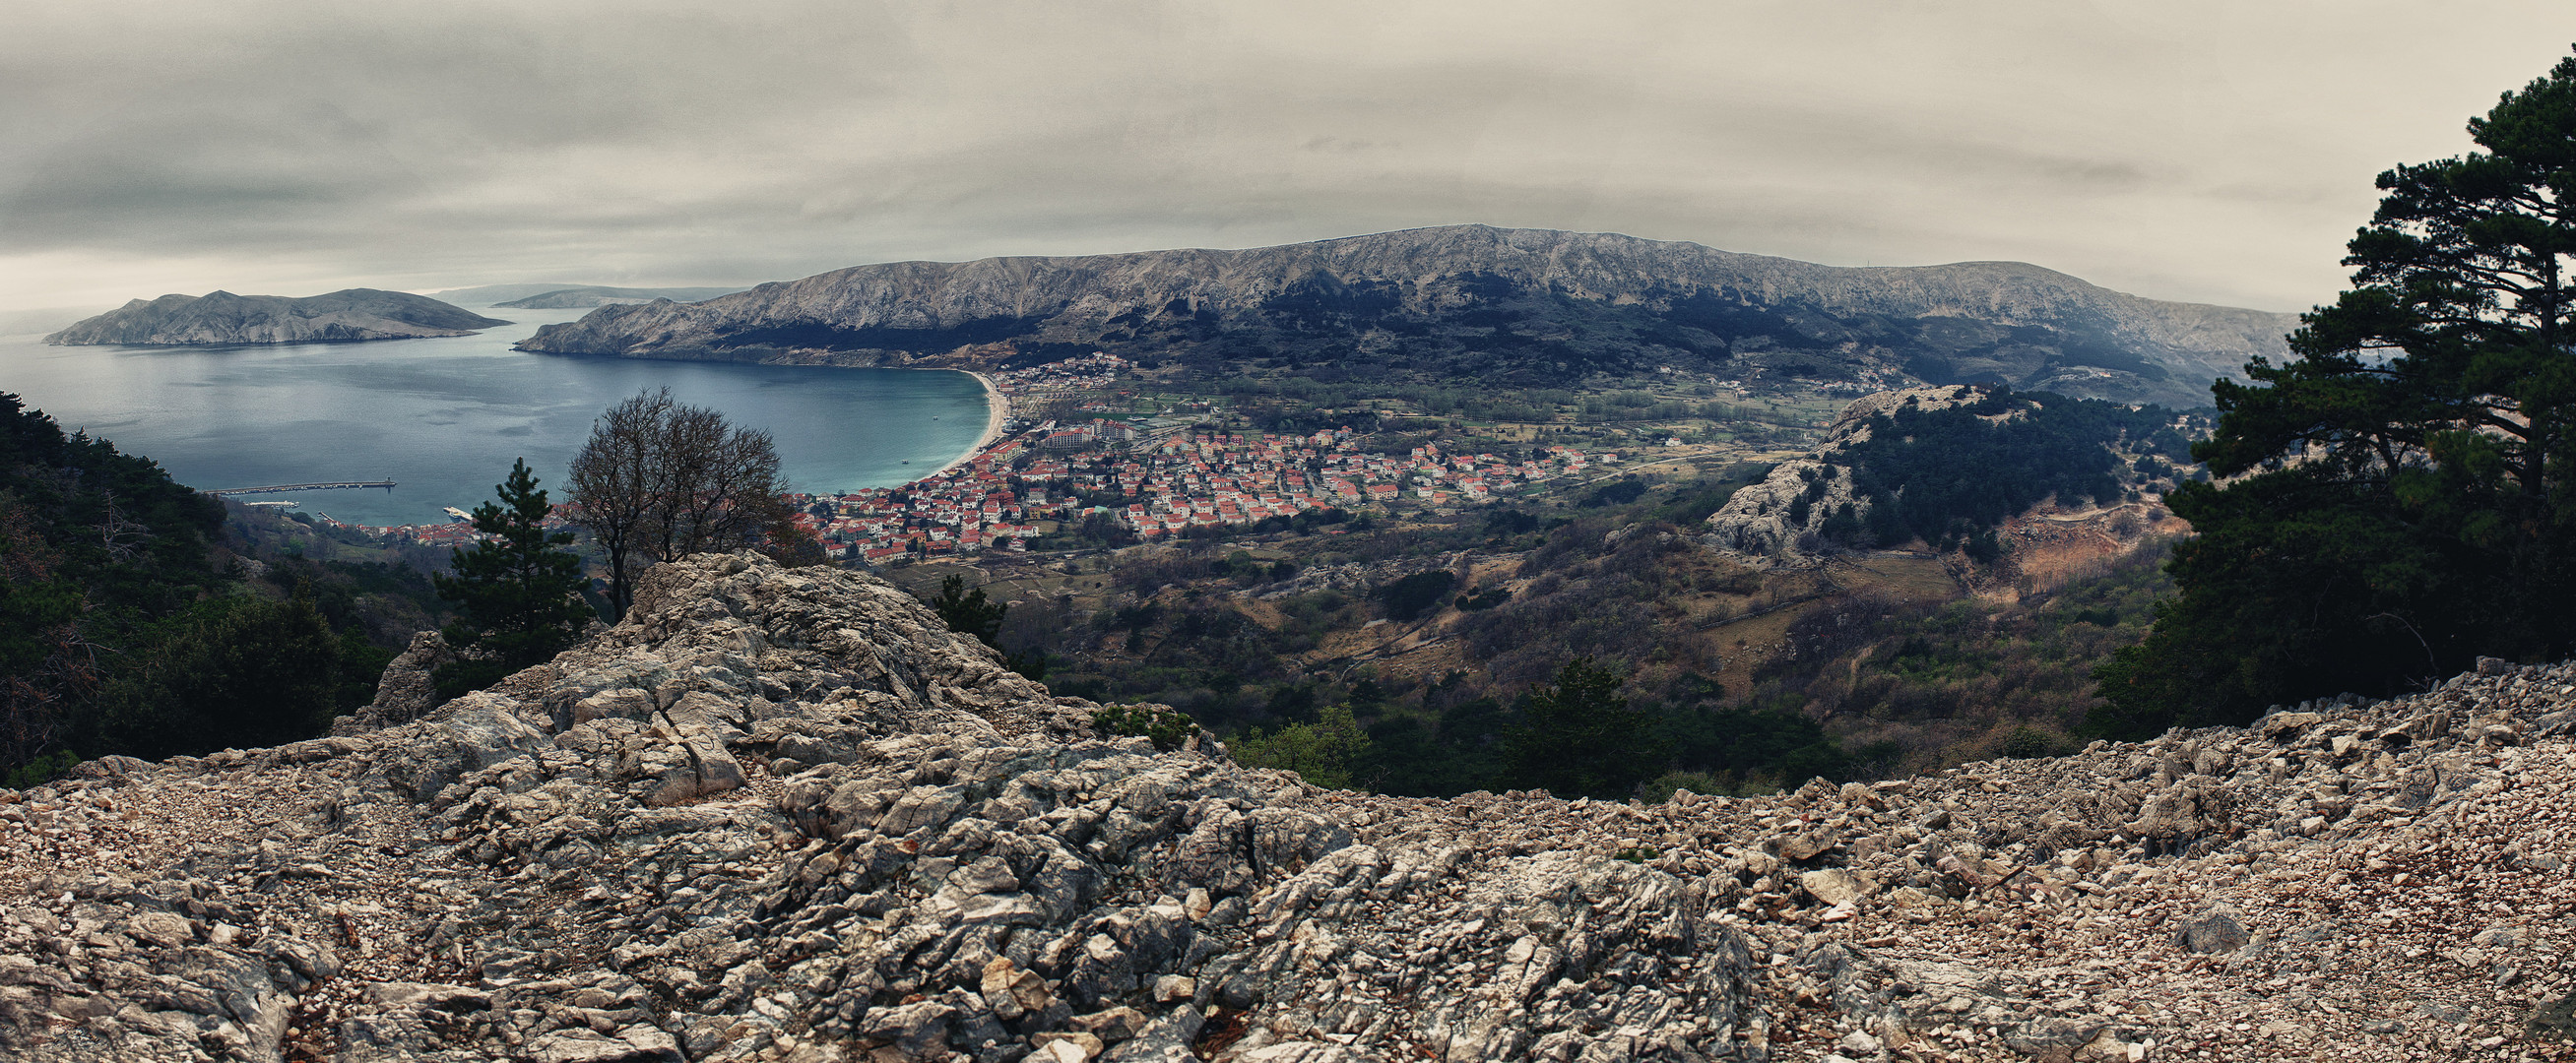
point(1508, 307)
point(784, 814)
point(139, 616)
point(1943, 467)
point(223, 318)
point(1431, 621)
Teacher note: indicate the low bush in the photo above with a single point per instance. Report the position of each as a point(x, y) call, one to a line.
point(1166, 727)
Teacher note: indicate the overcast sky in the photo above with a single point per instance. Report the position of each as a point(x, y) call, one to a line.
point(2209, 151)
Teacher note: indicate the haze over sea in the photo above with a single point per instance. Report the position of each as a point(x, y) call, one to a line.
point(444, 417)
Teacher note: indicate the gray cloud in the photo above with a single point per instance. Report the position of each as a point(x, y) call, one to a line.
point(2194, 150)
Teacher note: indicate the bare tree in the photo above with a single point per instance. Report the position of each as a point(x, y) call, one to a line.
point(120, 538)
point(660, 480)
point(720, 489)
point(611, 484)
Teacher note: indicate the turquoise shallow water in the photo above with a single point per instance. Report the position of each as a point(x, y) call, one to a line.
point(444, 417)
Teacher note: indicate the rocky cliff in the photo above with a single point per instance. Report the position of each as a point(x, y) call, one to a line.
point(783, 815)
point(224, 318)
point(1508, 305)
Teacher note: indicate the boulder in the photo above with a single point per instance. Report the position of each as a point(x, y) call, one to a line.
point(2218, 928)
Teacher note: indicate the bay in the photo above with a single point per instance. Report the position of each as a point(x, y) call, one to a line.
point(443, 418)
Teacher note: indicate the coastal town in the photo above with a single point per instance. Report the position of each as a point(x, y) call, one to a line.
point(1134, 477)
point(1148, 478)
point(1031, 485)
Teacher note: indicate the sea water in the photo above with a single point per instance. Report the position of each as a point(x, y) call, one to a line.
point(443, 418)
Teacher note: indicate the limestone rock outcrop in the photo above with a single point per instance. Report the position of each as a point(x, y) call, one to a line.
point(785, 815)
point(224, 318)
point(1763, 524)
point(406, 689)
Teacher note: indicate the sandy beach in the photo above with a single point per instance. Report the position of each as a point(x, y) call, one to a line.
point(999, 411)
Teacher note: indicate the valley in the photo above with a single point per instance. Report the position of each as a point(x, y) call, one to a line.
point(1430, 613)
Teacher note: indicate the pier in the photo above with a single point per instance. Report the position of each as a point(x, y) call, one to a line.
point(275, 488)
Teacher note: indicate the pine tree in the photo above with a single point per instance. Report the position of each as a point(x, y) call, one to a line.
point(2403, 492)
point(519, 591)
point(1577, 737)
point(966, 612)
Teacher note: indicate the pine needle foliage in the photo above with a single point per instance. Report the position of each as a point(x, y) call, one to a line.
point(519, 592)
point(2400, 494)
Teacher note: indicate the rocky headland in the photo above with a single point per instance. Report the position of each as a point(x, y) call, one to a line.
point(1510, 306)
point(224, 318)
point(783, 814)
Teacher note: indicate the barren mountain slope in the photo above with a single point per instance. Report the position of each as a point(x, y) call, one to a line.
point(782, 814)
point(1512, 305)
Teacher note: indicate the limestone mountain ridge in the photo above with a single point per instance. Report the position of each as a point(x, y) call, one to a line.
point(220, 317)
point(783, 814)
point(1510, 306)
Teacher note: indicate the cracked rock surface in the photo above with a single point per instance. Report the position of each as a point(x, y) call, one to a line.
point(785, 815)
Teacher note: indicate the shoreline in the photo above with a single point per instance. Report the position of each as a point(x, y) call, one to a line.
point(997, 410)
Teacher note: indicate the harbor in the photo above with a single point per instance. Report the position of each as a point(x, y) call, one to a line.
point(281, 488)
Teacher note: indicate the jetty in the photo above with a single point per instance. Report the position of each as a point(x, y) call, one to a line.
point(275, 488)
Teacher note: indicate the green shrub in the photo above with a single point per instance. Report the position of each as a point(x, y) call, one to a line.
point(2025, 742)
point(37, 772)
point(1321, 752)
point(1167, 727)
point(518, 592)
point(1411, 596)
point(234, 671)
point(1031, 663)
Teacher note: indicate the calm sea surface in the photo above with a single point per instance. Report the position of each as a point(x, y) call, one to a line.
point(444, 417)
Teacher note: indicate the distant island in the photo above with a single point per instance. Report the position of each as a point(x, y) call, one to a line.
point(1501, 307)
point(220, 317)
point(594, 295)
point(560, 295)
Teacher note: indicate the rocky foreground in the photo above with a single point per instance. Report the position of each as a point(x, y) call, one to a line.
point(783, 815)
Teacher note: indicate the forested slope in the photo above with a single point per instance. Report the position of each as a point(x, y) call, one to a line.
point(136, 618)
